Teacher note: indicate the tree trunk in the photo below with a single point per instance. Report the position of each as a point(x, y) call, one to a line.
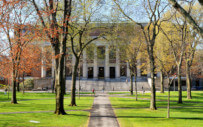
point(53, 85)
point(18, 83)
point(168, 107)
point(188, 81)
point(74, 75)
point(135, 86)
point(7, 82)
point(59, 77)
point(162, 82)
point(179, 86)
point(23, 83)
point(13, 99)
point(153, 89)
point(131, 84)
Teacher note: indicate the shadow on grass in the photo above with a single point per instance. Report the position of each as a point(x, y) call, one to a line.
point(198, 110)
point(154, 117)
point(77, 115)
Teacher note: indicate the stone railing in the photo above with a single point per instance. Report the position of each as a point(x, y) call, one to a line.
point(101, 61)
point(112, 61)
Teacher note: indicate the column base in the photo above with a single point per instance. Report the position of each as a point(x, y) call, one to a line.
point(84, 78)
point(107, 79)
point(118, 78)
point(95, 79)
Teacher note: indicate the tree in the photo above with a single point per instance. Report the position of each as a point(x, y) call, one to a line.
point(150, 32)
point(164, 57)
point(133, 53)
point(5, 68)
point(30, 61)
point(191, 49)
point(178, 44)
point(80, 29)
point(55, 17)
point(15, 21)
point(187, 16)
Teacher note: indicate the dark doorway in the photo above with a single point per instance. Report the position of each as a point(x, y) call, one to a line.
point(112, 72)
point(101, 72)
point(90, 72)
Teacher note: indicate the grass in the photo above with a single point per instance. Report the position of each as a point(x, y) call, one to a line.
point(27, 95)
point(133, 113)
point(196, 95)
point(73, 119)
point(31, 102)
point(112, 93)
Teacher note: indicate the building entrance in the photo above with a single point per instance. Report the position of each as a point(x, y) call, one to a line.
point(112, 72)
point(90, 72)
point(101, 72)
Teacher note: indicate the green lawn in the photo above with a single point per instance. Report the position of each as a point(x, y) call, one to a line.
point(31, 102)
point(72, 119)
point(112, 93)
point(27, 95)
point(137, 114)
point(196, 95)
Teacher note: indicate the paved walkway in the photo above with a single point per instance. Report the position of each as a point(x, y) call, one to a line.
point(102, 114)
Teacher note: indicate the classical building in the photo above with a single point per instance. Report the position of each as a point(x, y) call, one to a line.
point(105, 63)
point(102, 66)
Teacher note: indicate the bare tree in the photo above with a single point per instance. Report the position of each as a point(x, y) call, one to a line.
point(150, 32)
point(55, 16)
point(187, 16)
point(80, 29)
point(178, 45)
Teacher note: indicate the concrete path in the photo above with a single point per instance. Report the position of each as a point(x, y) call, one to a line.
point(102, 114)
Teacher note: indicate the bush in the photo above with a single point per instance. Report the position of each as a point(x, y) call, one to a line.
point(28, 84)
point(2, 86)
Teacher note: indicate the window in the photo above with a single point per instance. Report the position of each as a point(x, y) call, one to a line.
point(101, 52)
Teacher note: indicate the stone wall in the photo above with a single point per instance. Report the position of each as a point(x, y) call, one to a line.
point(109, 85)
point(158, 84)
point(88, 85)
point(43, 83)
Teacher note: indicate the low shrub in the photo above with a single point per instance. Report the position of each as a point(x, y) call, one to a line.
point(28, 84)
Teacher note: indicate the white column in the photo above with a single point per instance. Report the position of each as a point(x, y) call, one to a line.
point(148, 72)
point(117, 63)
point(107, 62)
point(128, 70)
point(43, 67)
point(95, 64)
point(158, 74)
point(138, 68)
point(84, 65)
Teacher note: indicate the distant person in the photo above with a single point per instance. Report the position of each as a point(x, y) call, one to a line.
point(93, 92)
point(5, 91)
point(103, 90)
point(143, 90)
